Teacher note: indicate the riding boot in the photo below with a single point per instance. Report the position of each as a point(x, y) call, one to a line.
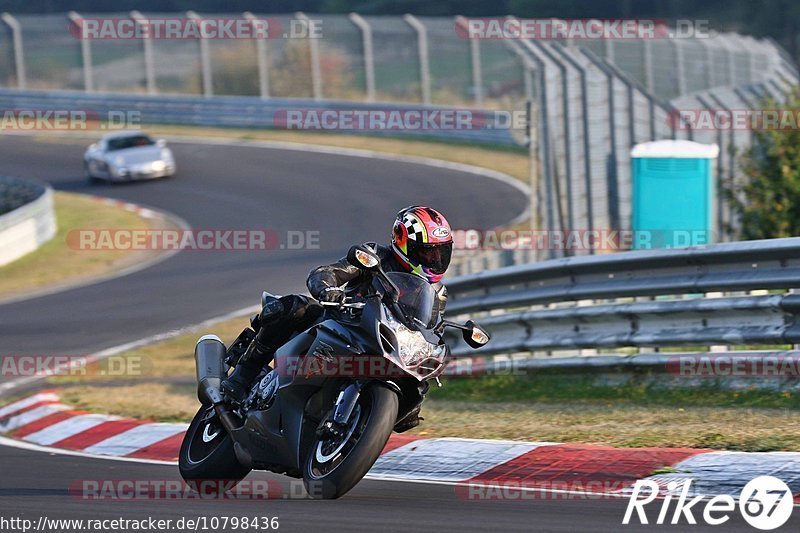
point(258, 355)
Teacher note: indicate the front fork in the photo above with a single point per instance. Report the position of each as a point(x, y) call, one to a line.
point(342, 410)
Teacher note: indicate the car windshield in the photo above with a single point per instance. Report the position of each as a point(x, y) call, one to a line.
point(417, 300)
point(132, 141)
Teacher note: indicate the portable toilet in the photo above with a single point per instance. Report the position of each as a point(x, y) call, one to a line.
point(673, 194)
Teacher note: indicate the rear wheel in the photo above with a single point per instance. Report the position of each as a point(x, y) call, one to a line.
point(207, 461)
point(335, 463)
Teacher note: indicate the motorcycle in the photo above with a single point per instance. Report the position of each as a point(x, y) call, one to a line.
point(305, 421)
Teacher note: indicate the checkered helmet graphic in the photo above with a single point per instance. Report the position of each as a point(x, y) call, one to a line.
point(422, 241)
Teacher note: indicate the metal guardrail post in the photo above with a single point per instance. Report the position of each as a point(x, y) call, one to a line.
point(19, 55)
point(86, 53)
point(205, 56)
point(313, 49)
point(422, 45)
point(475, 62)
point(261, 58)
point(369, 58)
point(147, 46)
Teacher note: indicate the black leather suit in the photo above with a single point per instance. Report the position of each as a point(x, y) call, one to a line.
point(281, 317)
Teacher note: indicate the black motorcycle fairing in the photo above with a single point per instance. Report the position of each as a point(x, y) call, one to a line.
point(275, 438)
point(284, 423)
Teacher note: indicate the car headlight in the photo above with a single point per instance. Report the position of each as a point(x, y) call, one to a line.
point(414, 348)
point(158, 165)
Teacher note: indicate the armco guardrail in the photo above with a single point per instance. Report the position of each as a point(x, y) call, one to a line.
point(31, 220)
point(251, 112)
point(508, 295)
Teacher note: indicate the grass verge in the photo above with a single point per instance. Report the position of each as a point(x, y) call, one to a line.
point(557, 407)
point(36, 270)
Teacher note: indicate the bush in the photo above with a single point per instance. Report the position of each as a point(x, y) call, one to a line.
point(768, 202)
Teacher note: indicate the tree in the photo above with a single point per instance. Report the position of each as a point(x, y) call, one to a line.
point(768, 202)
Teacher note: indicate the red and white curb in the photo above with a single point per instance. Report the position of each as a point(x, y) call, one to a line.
point(476, 466)
point(144, 212)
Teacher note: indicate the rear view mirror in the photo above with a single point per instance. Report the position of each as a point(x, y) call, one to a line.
point(474, 335)
point(363, 257)
point(161, 142)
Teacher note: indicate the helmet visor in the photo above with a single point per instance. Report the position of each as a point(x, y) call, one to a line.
point(435, 257)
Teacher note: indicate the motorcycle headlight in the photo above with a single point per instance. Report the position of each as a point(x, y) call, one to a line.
point(414, 348)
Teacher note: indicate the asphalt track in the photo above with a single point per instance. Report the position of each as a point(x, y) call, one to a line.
point(347, 200)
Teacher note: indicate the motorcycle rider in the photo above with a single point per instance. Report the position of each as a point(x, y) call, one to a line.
point(422, 244)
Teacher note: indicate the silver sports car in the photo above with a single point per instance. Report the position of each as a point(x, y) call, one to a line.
point(128, 155)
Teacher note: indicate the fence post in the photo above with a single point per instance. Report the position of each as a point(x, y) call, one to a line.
point(19, 56)
point(587, 160)
point(609, 51)
point(475, 61)
point(720, 169)
point(611, 161)
point(680, 66)
point(541, 151)
point(369, 59)
point(531, 125)
point(731, 60)
point(205, 56)
point(648, 65)
point(752, 65)
point(731, 152)
point(86, 52)
point(711, 77)
point(313, 48)
point(147, 46)
point(422, 45)
point(261, 57)
point(565, 111)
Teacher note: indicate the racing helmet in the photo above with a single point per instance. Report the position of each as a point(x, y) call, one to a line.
point(422, 242)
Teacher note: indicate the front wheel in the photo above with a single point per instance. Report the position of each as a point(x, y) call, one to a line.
point(335, 463)
point(207, 461)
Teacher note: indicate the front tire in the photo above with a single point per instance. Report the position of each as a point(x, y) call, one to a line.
point(207, 455)
point(333, 467)
point(88, 173)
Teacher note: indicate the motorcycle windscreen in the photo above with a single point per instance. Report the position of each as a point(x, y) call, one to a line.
point(417, 299)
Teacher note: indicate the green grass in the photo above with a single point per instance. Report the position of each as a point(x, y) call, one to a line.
point(582, 388)
point(36, 269)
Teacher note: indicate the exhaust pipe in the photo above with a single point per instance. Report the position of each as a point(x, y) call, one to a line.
point(209, 357)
